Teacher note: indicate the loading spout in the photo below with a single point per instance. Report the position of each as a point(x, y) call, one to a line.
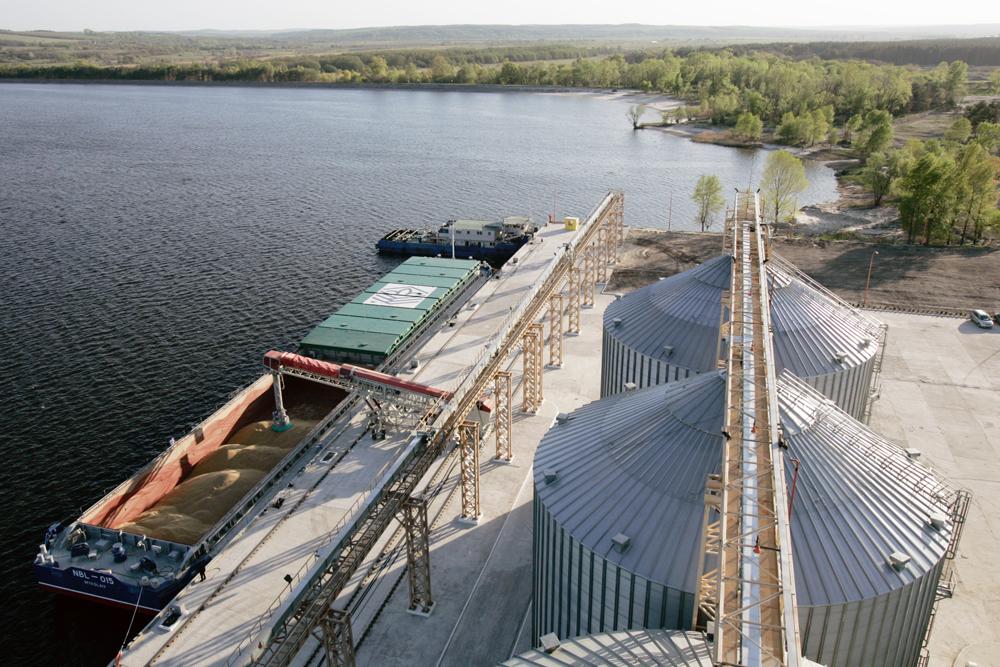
point(351, 378)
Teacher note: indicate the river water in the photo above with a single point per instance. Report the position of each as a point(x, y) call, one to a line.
point(156, 240)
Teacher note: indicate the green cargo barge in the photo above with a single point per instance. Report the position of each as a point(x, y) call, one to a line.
point(381, 319)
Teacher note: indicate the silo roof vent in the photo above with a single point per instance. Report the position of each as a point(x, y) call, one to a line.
point(668, 349)
point(937, 520)
point(630, 386)
point(551, 475)
point(563, 417)
point(840, 357)
point(617, 321)
point(549, 642)
point(898, 560)
point(912, 453)
point(621, 542)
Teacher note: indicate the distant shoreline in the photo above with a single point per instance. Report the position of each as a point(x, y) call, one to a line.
point(638, 96)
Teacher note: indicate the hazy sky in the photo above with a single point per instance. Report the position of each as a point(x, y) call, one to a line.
point(270, 15)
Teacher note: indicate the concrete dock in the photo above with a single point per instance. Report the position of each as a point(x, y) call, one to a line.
point(481, 574)
point(246, 588)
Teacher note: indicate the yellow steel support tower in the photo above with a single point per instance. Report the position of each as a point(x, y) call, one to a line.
point(338, 641)
point(573, 292)
point(603, 255)
point(531, 378)
point(589, 275)
point(555, 330)
point(503, 415)
point(413, 516)
point(468, 442)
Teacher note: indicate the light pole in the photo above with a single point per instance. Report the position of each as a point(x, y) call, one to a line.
point(868, 282)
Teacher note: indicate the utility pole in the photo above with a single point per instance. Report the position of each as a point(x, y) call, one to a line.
point(868, 282)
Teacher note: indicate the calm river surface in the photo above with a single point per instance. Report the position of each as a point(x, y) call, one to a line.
point(156, 240)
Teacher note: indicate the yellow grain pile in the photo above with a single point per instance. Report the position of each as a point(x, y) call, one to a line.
point(217, 483)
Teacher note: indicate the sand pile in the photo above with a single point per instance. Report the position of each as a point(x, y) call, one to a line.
point(217, 483)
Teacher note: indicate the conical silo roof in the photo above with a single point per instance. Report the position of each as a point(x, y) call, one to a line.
point(681, 312)
point(676, 321)
point(635, 464)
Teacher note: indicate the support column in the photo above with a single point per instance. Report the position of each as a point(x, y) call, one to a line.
point(531, 380)
point(503, 419)
point(602, 253)
point(338, 641)
point(555, 330)
point(413, 516)
point(573, 324)
point(589, 277)
point(468, 442)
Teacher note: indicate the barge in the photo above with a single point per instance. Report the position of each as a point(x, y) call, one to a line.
point(147, 538)
point(140, 544)
point(485, 240)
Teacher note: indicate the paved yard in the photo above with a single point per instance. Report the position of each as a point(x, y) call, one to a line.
point(941, 395)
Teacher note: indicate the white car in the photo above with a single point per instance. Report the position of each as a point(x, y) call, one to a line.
point(981, 319)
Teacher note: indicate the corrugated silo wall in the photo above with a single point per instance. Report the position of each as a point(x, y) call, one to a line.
point(849, 388)
point(577, 592)
point(886, 631)
point(621, 364)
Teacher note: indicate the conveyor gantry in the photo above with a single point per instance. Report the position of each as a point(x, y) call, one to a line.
point(746, 594)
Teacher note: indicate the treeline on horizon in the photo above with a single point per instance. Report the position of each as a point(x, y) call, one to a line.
point(977, 52)
point(721, 82)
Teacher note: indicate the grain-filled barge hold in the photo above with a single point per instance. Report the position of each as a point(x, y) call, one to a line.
point(485, 240)
point(151, 535)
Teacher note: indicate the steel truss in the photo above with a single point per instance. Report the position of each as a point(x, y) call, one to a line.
point(531, 378)
point(468, 443)
point(573, 292)
point(589, 276)
point(413, 516)
point(503, 415)
point(746, 538)
point(338, 641)
point(556, 330)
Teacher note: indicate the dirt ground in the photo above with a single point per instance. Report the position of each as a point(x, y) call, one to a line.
point(946, 280)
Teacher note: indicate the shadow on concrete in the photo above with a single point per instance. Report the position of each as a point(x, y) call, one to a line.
point(969, 327)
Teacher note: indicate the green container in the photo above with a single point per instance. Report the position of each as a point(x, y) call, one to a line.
point(380, 319)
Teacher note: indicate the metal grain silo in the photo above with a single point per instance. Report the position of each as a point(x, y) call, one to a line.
point(618, 513)
point(669, 648)
point(669, 330)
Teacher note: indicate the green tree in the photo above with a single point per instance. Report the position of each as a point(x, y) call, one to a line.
point(875, 133)
point(378, 69)
point(634, 113)
point(708, 196)
point(442, 70)
point(749, 127)
point(988, 136)
point(956, 82)
point(784, 177)
point(995, 81)
point(975, 173)
point(960, 131)
point(926, 201)
point(878, 175)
